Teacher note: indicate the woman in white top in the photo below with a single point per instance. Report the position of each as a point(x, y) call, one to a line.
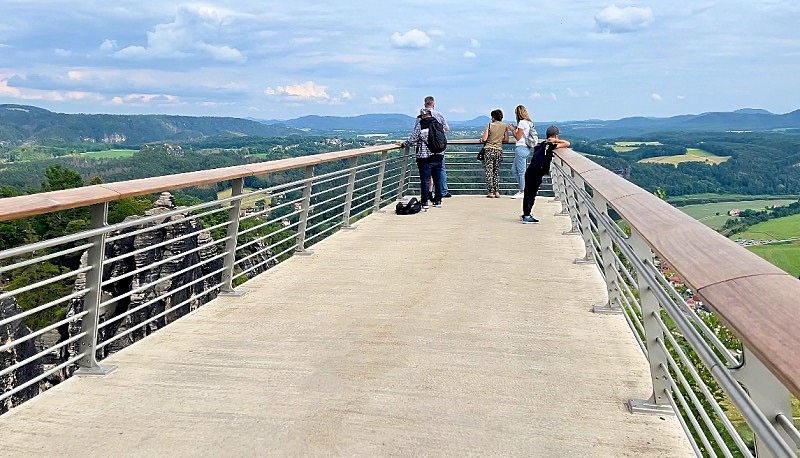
point(520, 134)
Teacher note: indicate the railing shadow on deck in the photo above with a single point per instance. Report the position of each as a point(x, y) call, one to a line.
point(102, 288)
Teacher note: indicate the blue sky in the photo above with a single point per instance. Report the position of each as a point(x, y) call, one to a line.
point(564, 60)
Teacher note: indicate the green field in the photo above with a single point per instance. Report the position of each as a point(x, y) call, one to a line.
point(784, 255)
point(111, 153)
point(625, 147)
point(775, 229)
point(692, 155)
point(715, 214)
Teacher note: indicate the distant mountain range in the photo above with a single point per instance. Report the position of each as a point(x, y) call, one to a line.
point(22, 124)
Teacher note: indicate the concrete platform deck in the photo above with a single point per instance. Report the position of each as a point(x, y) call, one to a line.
point(454, 332)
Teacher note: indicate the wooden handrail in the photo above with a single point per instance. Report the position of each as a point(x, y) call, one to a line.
point(46, 202)
point(754, 298)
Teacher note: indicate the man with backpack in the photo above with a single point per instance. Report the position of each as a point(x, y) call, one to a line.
point(538, 168)
point(429, 155)
point(431, 104)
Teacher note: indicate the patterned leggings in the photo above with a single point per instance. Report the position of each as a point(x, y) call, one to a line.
point(491, 168)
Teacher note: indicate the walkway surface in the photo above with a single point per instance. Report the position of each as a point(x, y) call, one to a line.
point(454, 332)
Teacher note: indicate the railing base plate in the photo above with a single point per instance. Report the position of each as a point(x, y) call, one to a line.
point(233, 293)
point(561, 214)
point(643, 406)
point(100, 369)
point(605, 309)
point(349, 228)
point(304, 253)
point(583, 261)
point(571, 232)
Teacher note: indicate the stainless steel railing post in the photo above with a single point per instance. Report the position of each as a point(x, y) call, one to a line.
point(607, 258)
point(348, 200)
point(401, 187)
point(233, 232)
point(379, 185)
point(304, 211)
point(768, 393)
point(654, 335)
point(88, 365)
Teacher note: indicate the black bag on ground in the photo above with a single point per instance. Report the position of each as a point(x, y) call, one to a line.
point(408, 208)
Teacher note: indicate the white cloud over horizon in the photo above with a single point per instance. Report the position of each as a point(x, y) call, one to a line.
point(597, 59)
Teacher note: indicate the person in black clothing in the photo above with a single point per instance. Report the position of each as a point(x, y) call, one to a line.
point(429, 164)
point(538, 168)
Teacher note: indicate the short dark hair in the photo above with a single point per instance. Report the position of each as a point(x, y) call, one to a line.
point(552, 131)
point(429, 101)
point(497, 115)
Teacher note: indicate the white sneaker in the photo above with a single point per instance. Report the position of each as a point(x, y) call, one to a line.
point(518, 195)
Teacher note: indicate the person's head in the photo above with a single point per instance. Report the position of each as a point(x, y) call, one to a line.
point(429, 102)
point(497, 115)
point(424, 112)
point(552, 131)
point(521, 113)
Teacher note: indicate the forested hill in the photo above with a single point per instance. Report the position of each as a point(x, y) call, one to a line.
point(21, 124)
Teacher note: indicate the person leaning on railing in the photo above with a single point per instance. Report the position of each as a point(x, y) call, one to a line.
point(538, 168)
point(495, 134)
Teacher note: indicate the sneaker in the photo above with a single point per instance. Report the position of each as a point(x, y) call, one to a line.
point(529, 219)
point(425, 206)
point(518, 195)
point(447, 195)
point(437, 204)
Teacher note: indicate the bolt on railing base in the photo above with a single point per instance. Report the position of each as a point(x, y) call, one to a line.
point(100, 369)
point(644, 406)
point(606, 309)
point(233, 293)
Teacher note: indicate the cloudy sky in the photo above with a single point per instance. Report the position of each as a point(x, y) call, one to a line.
point(564, 60)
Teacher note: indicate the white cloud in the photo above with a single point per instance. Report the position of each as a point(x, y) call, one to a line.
point(573, 93)
point(475, 43)
point(188, 35)
point(656, 97)
point(145, 99)
point(548, 96)
point(308, 90)
point(614, 19)
point(470, 55)
point(413, 39)
point(384, 100)
point(108, 45)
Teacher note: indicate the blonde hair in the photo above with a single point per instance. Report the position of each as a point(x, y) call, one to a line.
point(522, 113)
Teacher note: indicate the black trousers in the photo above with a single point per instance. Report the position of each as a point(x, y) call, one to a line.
point(533, 179)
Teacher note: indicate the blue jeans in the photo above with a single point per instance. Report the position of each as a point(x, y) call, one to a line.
point(430, 167)
point(520, 164)
point(443, 181)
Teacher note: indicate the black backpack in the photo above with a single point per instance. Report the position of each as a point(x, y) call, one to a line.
point(437, 141)
point(409, 208)
point(542, 156)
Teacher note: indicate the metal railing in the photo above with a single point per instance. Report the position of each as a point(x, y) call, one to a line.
point(723, 388)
